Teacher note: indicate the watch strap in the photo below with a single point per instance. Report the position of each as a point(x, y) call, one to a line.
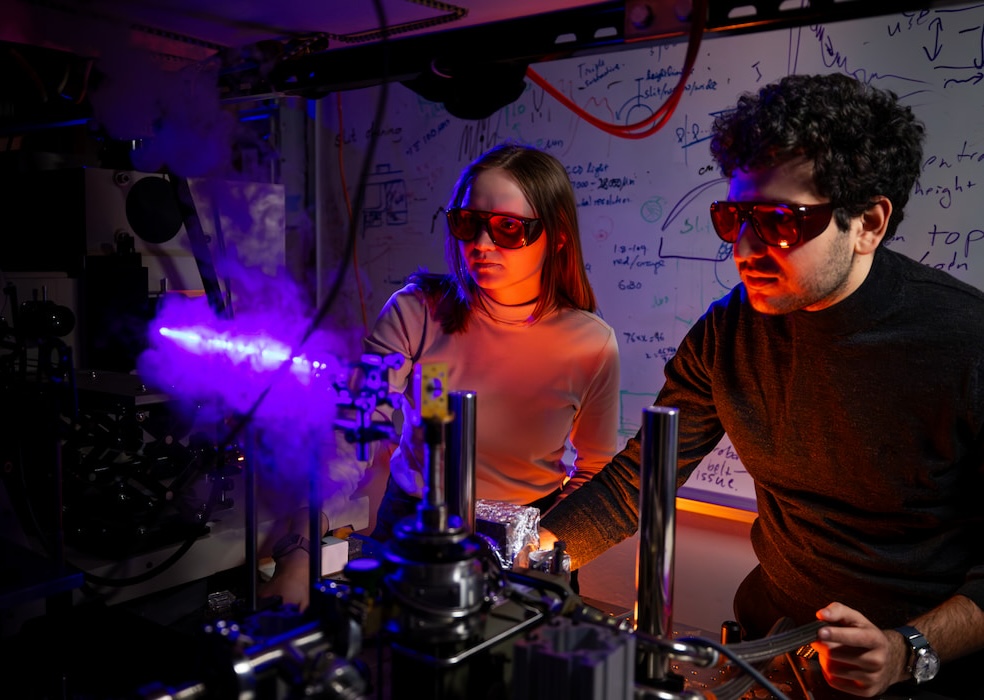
point(911, 634)
point(917, 642)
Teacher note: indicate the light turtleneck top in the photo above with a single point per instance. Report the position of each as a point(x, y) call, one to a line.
point(538, 384)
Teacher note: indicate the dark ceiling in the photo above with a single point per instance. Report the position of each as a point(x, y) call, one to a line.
point(54, 54)
point(57, 56)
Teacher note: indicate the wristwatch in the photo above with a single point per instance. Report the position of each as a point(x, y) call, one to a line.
point(923, 662)
point(288, 543)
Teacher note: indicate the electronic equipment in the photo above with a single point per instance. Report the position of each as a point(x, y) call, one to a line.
point(432, 613)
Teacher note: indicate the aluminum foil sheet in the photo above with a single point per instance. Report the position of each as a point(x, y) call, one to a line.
point(507, 528)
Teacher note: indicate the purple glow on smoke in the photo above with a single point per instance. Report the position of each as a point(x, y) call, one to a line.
point(197, 356)
point(222, 368)
point(257, 355)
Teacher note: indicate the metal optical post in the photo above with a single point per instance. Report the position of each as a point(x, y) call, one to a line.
point(436, 583)
point(657, 532)
point(460, 457)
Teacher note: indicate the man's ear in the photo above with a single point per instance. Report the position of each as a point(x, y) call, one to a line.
point(874, 224)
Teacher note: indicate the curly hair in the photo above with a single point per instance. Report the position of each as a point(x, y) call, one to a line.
point(861, 141)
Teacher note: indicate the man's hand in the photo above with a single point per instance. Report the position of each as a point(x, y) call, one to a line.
point(857, 657)
point(291, 580)
point(522, 558)
point(547, 539)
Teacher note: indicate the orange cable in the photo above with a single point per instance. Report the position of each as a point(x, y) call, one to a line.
point(348, 208)
point(660, 117)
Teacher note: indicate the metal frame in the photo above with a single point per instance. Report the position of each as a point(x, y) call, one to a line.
point(510, 46)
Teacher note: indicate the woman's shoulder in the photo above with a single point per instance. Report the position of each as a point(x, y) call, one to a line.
point(407, 296)
point(406, 305)
point(421, 287)
point(585, 321)
point(429, 295)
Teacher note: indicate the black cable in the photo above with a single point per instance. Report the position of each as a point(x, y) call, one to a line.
point(745, 655)
point(352, 235)
point(319, 316)
point(777, 644)
point(360, 192)
point(726, 690)
point(798, 674)
point(350, 242)
point(563, 592)
point(175, 556)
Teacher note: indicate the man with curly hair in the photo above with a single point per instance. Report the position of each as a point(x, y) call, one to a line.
point(850, 380)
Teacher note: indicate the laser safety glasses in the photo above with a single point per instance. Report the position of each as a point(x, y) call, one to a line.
point(505, 230)
point(775, 223)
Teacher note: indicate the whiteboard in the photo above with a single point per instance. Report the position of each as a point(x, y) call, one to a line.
point(652, 256)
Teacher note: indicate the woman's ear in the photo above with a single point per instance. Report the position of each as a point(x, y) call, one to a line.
point(874, 224)
point(561, 240)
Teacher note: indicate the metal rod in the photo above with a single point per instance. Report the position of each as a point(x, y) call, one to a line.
point(315, 500)
point(251, 519)
point(432, 511)
point(657, 531)
point(459, 464)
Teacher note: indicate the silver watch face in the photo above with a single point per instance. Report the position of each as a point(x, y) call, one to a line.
point(926, 665)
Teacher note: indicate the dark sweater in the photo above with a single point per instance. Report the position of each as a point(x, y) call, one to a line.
point(861, 426)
